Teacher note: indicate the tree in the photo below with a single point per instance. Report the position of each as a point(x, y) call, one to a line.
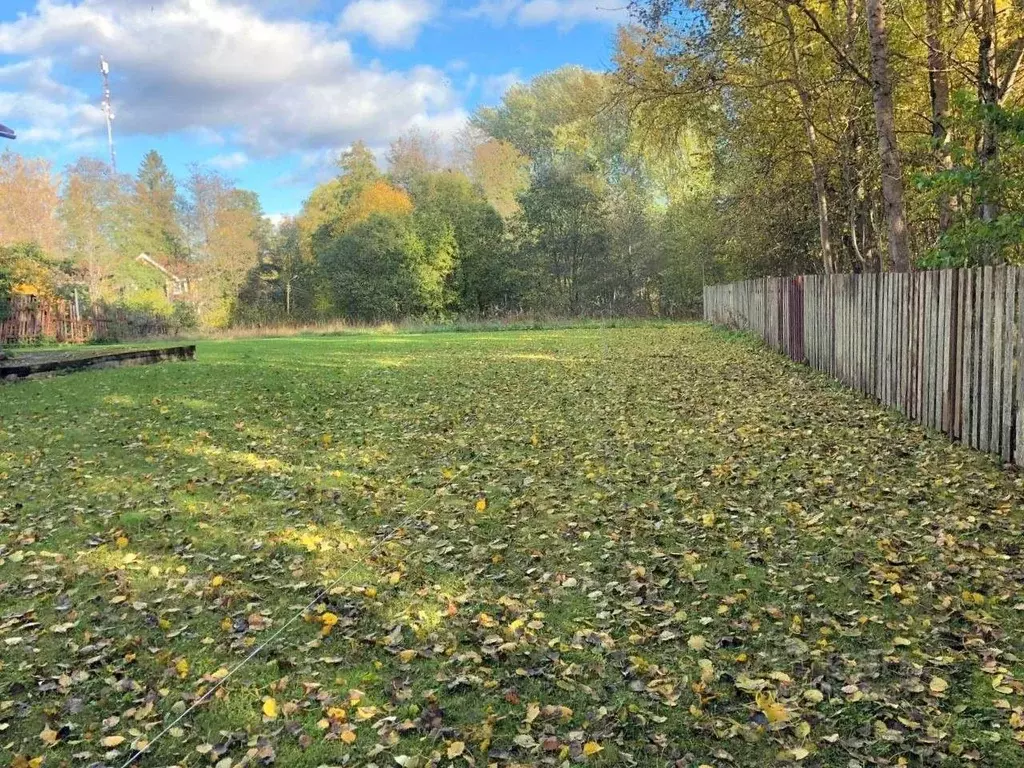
point(29, 198)
point(565, 236)
point(888, 149)
point(350, 197)
point(502, 172)
point(413, 155)
point(378, 270)
point(93, 214)
point(154, 216)
point(227, 235)
point(460, 229)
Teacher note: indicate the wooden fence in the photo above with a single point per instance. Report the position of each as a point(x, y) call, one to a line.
point(30, 320)
point(945, 347)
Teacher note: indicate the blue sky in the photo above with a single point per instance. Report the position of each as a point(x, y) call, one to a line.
point(269, 90)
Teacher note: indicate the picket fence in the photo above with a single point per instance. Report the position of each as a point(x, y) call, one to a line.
point(945, 347)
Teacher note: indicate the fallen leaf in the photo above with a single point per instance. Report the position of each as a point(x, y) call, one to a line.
point(270, 708)
point(455, 749)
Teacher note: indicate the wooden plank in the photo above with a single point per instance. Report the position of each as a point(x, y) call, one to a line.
point(1009, 334)
point(903, 297)
point(920, 328)
point(976, 358)
point(996, 407)
point(873, 326)
point(928, 352)
point(862, 332)
point(945, 325)
point(985, 361)
point(1018, 447)
point(958, 341)
point(939, 343)
point(883, 334)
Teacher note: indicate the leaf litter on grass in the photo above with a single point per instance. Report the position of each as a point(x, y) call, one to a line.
point(668, 547)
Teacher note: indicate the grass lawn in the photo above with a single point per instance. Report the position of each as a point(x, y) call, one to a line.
point(619, 546)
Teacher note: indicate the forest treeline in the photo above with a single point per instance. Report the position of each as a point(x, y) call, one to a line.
point(729, 140)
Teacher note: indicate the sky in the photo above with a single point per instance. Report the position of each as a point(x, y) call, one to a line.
point(269, 91)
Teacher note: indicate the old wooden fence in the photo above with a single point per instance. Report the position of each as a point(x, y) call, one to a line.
point(945, 347)
point(30, 320)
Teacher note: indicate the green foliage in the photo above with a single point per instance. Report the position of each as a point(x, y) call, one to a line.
point(972, 240)
point(564, 237)
point(380, 270)
point(26, 264)
point(185, 316)
point(156, 229)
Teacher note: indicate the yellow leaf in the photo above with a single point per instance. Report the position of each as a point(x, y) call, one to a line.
point(337, 713)
point(707, 670)
point(532, 711)
point(122, 542)
point(481, 504)
point(814, 696)
point(799, 753)
point(407, 656)
point(371, 592)
point(348, 735)
point(591, 748)
point(365, 713)
point(937, 685)
point(394, 578)
point(270, 708)
point(455, 749)
point(48, 736)
point(697, 642)
point(773, 711)
point(216, 581)
point(181, 666)
point(111, 741)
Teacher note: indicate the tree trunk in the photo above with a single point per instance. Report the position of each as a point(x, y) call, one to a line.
point(988, 99)
point(938, 89)
point(888, 150)
point(817, 172)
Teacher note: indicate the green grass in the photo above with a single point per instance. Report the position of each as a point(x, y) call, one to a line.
point(685, 536)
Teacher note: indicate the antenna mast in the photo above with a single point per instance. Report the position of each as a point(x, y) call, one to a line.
point(108, 112)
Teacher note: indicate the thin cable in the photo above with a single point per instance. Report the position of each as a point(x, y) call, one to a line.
point(319, 596)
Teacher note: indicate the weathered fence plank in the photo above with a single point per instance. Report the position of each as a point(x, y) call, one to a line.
point(945, 347)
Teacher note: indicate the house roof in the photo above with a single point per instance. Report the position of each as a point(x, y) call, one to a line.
point(171, 271)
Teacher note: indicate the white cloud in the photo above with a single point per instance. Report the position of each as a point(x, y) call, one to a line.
point(495, 86)
point(388, 23)
point(231, 161)
point(277, 219)
point(213, 67)
point(41, 109)
point(563, 13)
